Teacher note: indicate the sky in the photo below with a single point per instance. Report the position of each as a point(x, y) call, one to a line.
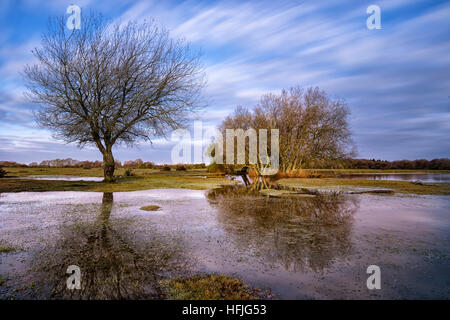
point(396, 80)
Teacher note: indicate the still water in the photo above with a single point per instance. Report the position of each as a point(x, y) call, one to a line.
point(424, 177)
point(310, 248)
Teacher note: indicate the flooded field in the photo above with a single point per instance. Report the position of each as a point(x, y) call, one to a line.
point(298, 248)
point(423, 177)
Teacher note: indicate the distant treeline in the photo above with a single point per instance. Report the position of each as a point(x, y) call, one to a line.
point(71, 163)
point(422, 164)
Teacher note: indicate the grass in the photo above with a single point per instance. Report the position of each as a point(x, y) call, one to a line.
point(7, 249)
point(406, 187)
point(152, 207)
point(145, 179)
point(199, 179)
point(208, 287)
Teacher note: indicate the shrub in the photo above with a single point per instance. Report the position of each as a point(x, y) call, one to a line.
point(2, 172)
point(221, 168)
point(129, 173)
point(196, 166)
point(180, 167)
point(299, 173)
point(165, 168)
point(215, 168)
point(146, 165)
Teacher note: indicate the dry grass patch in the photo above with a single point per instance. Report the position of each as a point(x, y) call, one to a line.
point(152, 207)
point(208, 287)
point(7, 249)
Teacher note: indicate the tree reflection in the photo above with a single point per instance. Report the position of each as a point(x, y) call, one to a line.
point(115, 261)
point(299, 233)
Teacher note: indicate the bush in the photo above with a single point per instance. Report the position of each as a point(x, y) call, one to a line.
point(180, 167)
point(165, 168)
point(2, 172)
point(215, 168)
point(298, 173)
point(195, 166)
point(221, 168)
point(129, 173)
point(146, 165)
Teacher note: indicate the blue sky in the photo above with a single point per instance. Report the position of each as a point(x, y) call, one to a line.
point(396, 80)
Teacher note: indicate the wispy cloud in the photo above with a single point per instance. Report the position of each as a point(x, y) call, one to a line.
point(394, 79)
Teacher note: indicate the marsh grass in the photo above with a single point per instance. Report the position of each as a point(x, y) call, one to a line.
point(208, 287)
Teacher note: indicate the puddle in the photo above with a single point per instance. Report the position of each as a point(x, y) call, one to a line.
point(300, 248)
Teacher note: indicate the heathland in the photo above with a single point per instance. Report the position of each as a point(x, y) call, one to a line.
point(23, 179)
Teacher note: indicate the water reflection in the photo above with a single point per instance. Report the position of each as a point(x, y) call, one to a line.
point(116, 262)
point(299, 233)
point(429, 178)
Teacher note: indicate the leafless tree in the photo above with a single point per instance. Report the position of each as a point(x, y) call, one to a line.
point(311, 125)
point(107, 84)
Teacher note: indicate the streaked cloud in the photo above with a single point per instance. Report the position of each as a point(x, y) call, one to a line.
point(395, 79)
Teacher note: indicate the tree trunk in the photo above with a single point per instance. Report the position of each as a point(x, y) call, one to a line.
point(108, 166)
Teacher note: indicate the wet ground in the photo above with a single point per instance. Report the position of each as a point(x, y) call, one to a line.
point(423, 177)
point(300, 248)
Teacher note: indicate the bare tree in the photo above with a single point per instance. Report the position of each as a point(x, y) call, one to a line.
point(311, 125)
point(108, 84)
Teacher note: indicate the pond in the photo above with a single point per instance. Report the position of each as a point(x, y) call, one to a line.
point(423, 177)
point(299, 248)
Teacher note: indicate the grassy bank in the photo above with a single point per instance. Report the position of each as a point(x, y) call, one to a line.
point(337, 172)
point(143, 179)
point(122, 184)
point(198, 179)
point(406, 187)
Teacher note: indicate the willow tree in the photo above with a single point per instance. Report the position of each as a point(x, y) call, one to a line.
point(108, 84)
point(311, 125)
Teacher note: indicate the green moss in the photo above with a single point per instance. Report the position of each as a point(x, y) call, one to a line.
point(208, 287)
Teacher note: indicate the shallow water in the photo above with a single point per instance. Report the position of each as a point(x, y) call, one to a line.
point(424, 177)
point(299, 248)
point(63, 178)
